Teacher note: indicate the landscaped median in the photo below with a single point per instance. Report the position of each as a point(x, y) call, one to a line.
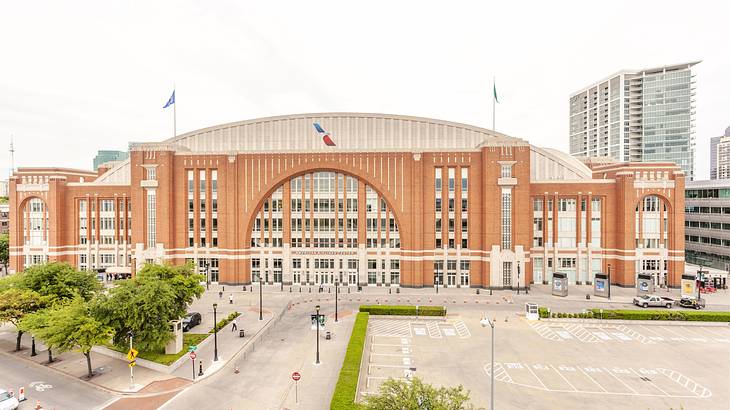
point(619, 314)
point(159, 356)
point(223, 322)
point(404, 310)
point(346, 388)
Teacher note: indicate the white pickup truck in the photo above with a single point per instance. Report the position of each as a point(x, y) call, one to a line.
point(653, 300)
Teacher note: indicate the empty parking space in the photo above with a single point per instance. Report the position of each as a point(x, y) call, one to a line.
point(620, 333)
point(608, 380)
point(620, 365)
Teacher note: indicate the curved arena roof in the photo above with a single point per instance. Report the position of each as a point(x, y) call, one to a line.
point(356, 132)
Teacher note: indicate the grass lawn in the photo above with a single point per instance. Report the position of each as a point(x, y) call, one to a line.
point(159, 356)
point(346, 388)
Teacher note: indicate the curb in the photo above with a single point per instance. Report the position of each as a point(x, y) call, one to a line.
point(640, 322)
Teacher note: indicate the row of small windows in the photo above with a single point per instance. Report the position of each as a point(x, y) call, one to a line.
point(707, 225)
point(707, 210)
point(707, 240)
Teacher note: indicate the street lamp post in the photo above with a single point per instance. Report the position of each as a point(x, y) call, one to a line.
point(207, 275)
point(131, 368)
point(484, 323)
point(518, 277)
point(317, 322)
point(215, 332)
point(261, 300)
point(337, 286)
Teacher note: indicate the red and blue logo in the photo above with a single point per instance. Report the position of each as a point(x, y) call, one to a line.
point(325, 135)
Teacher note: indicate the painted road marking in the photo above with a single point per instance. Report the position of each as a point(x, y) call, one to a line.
point(462, 329)
point(657, 382)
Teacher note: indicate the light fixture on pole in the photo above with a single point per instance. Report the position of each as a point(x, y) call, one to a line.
point(337, 286)
point(486, 322)
point(261, 300)
point(317, 323)
point(215, 332)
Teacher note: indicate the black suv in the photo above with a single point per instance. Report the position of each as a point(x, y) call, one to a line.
point(191, 320)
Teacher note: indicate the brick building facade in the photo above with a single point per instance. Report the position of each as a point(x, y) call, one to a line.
point(397, 201)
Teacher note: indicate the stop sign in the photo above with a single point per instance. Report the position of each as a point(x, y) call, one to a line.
point(296, 376)
point(193, 355)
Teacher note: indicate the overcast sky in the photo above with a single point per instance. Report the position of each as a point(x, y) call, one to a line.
point(76, 77)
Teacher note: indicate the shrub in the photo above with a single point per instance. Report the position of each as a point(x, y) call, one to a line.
point(403, 310)
point(346, 388)
point(544, 313)
point(688, 315)
point(220, 325)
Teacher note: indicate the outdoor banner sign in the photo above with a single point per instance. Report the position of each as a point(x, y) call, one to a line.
point(600, 285)
point(560, 284)
point(644, 284)
point(689, 285)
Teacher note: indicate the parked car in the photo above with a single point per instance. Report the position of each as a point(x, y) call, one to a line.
point(8, 401)
point(191, 320)
point(652, 300)
point(691, 302)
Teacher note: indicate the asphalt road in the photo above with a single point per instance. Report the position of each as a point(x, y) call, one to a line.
point(53, 390)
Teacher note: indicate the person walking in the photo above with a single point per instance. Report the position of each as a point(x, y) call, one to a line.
point(230, 299)
point(220, 294)
point(234, 326)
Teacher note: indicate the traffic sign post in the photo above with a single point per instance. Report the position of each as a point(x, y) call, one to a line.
point(192, 360)
point(296, 376)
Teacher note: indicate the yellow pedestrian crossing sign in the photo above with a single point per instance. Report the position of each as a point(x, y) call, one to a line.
point(132, 354)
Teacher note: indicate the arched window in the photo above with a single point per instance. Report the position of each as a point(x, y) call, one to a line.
point(319, 224)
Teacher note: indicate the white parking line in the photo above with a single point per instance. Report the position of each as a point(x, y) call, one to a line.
point(566, 380)
point(621, 381)
point(646, 379)
point(592, 379)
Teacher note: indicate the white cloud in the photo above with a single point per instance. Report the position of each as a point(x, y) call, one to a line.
point(81, 76)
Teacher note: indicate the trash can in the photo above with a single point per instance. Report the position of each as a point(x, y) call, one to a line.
point(328, 335)
point(560, 284)
point(241, 333)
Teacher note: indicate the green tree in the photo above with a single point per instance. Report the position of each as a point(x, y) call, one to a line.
point(60, 282)
point(146, 304)
point(416, 395)
point(15, 303)
point(74, 327)
point(37, 324)
point(4, 250)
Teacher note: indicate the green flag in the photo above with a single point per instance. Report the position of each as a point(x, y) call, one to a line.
point(495, 93)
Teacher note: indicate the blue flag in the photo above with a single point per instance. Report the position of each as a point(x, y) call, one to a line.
point(171, 100)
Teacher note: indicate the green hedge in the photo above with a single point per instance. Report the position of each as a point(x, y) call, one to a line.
point(346, 388)
point(544, 312)
point(225, 321)
point(403, 310)
point(685, 315)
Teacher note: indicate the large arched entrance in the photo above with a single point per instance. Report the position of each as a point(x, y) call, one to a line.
point(325, 227)
point(652, 238)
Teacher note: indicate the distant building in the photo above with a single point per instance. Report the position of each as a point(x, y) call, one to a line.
point(106, 156)
point(4, 218)
point(720, 156)
point(3, 188)
point(637, 116)
point(707, 223)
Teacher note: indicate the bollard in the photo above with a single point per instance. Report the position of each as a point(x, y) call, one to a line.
point(300, 289)
point(289, 289)
point(224, 288)
point(348, 290)
point(235, 370)
point(310, 289)
point(200, 372)
point(477, 291)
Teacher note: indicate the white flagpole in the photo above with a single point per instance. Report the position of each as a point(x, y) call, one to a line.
point(174, 112)
point(494, 106)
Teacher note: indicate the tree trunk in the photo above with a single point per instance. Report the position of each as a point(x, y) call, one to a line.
point(88, 363)
point(17, 340)
point(50, 356)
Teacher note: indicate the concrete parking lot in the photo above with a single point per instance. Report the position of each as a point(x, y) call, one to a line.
point(549, 364)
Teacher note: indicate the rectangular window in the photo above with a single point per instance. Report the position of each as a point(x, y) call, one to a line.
point(464, 180)
point(452, 177)
point(438, 180)
point(151, 218)
point(506, 219)
point(506, 171)
point(151, 173)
